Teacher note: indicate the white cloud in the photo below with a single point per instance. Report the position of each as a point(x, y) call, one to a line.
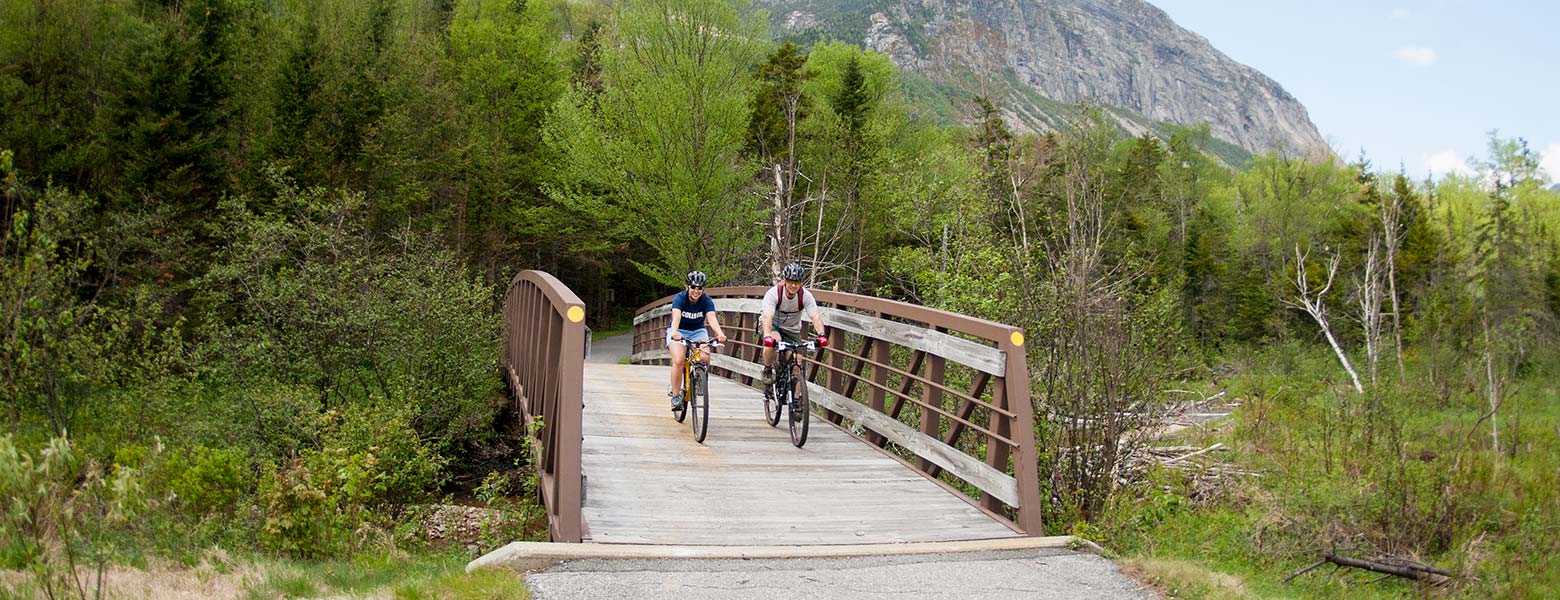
point(1446, 162)
point(1415, 55)
point(1398, 14)
point(1551, 162)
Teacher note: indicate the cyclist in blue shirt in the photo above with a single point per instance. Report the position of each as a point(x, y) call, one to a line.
point(691, 310)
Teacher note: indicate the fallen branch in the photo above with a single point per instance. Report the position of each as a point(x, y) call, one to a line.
point(1408, 569)
point(1307, 569)
point(1216, 446)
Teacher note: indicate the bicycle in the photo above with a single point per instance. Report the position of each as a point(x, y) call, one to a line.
point(790, 385)
point(696, 388)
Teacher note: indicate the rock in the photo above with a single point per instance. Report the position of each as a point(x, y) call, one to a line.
point(1121, 53)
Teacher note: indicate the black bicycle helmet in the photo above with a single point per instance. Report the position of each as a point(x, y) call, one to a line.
point(793, 272)
point(697, 279)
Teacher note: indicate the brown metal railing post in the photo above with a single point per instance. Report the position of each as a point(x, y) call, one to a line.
point(931, 424)
point(571, 433)
point(880, 355)
point(1026, 469)
point(836, 364)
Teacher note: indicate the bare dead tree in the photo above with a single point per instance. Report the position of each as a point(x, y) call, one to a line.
point(1316, 307)
point(1391, 226)
point(1368, 296)
point(779, 215)
point(1494, 385)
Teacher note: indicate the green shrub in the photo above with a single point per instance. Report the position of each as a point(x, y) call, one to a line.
point(209, 480)
point(300, 518)
point(371, 456)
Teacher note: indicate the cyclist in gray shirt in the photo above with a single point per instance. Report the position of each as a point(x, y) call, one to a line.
point(781, 315)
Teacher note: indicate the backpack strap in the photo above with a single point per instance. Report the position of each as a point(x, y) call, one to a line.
point(780, 298)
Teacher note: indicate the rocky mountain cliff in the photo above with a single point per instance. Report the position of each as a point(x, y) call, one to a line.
point(1125, 54)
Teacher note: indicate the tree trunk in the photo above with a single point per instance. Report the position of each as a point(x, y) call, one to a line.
point(1494, 386)
point(777, 216)
point(1318, 310)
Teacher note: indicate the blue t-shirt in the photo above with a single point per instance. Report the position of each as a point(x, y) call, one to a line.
point(692, 312)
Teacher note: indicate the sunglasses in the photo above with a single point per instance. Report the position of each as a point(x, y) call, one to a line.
point(695, 287)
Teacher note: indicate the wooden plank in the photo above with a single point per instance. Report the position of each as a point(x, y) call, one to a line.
point(961, 465)
point(648, 482)
point(939, 453)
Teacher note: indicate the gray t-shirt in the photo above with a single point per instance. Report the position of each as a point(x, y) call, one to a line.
point(788, 311)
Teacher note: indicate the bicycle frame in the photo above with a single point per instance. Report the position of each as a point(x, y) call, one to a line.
point(789, 390)
point(695, 352)
point(695, 372)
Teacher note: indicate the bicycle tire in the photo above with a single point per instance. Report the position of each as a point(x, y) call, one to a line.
point(772, 401)
point(801, 416)
point(699, 404)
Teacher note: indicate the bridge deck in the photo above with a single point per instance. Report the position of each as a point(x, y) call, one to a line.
point(648, 482)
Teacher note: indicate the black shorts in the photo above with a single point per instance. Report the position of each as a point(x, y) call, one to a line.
point(786, 335)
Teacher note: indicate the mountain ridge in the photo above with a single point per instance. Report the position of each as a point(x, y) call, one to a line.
point(1125, 54)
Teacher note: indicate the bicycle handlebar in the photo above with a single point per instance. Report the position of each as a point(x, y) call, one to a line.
point(782, 346)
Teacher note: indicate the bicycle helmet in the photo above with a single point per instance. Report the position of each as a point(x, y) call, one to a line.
point(697, 279)
point(793, 272)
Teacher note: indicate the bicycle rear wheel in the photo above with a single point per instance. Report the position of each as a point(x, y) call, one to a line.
point(801, 411)
point(699, 404)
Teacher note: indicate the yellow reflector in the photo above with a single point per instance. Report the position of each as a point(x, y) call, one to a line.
point(1018, 338)
point(576, 314)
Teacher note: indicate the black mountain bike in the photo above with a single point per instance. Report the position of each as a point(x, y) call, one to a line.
point(789, 388)
point(696, 388)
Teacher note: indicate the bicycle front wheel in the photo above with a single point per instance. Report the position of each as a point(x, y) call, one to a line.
point(801, 407)
point(699, 405)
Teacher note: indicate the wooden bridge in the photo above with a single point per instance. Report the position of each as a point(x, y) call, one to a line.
point(923, 429)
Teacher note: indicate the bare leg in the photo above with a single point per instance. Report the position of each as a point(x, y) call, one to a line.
point(678, 351)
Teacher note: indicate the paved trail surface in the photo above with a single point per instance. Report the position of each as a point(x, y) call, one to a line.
point(1022, 574)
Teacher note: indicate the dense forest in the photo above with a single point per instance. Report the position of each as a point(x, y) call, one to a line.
point(253, 252)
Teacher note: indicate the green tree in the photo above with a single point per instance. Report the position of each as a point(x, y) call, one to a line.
point(658, 152)
point(779, 106)
point(509, 73)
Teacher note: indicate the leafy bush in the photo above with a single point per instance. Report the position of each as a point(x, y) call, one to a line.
point(301, 518)
point(61, 514)
point(366, 322)
point(208, 480)
point(371, 456)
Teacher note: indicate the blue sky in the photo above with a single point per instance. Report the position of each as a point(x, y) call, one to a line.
point(1419, 83)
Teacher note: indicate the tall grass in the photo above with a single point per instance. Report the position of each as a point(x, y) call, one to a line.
point(1392, 472)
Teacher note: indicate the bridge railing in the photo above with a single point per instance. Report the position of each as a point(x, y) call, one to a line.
point(544, 364)
point(945, 393)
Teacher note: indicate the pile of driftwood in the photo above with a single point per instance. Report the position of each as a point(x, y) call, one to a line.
point(1202, 463)
point(1389, 566)
point(1211, 477)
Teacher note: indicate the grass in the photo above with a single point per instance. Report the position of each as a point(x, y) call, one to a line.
point(411, 576)
point(1183, 579)
point(428, 576)
point(596, 334)
point(1394, 472)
